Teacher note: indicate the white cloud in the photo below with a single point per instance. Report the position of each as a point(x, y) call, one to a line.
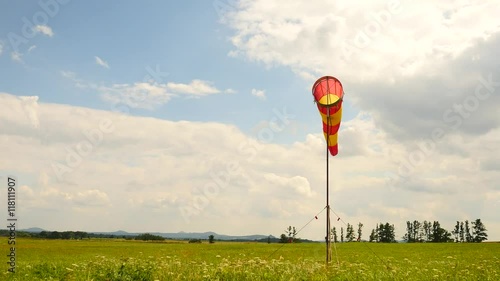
point(402, 77)
point(68, 74)
point(101, 62)
point(162, 201)
point(1, 48)
point(27, 191)
point(91, 197)
point(399, 70)
point(43, 179)
point(261, 94)
point(298, 184)
point(45, 30)
point(31, 48)
point(149, 170)
point(147, 94)
point(195, 88)
point(30, 107)
point(380, 40)
point(79, 83)
point(144, 95)
point(16, 56)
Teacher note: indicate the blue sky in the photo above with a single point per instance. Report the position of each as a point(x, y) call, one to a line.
point(182, 41)
point(200, 113)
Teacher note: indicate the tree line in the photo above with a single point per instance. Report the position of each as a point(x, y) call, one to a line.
point(55, 234)
point(383, 233)
point(416, 232)
point(78, 235)
point(433, 232)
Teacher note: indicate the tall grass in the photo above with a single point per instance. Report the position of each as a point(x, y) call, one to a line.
point(134, 260)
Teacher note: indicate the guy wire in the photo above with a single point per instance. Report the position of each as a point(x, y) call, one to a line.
point(315, 217)
point(366, 244)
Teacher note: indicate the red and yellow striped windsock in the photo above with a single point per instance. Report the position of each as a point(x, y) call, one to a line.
point(328, 94)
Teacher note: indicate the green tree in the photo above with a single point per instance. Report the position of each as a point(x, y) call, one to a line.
point(292, 233)
point(440, 234)
point(456, 232)
point(149, 237)
point(408, 237)
point(468, 236)
point(416, 230)
point(349, 236)
point(462, 232)
point(67, 235)
point(391, 235)
point(479, 231)
point(54, 235)
point(428, 232)
point(372, 236)
point(334, 234)
point(386, 233)
point(425, 233)
point(341, 234)
point(283, 238)
point(360, 231)
point(380, 232)
point(211, 239)
point(80, 235)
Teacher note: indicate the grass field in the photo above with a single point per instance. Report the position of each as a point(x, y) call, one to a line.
point(132, 260)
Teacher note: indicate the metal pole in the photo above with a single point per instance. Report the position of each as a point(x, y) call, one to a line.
point(328, 238)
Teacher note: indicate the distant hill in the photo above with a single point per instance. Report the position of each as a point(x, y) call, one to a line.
point(33, 230)
point(178, 235)
point(122, 233)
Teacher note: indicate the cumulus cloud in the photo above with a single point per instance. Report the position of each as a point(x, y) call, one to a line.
point(30, 107)
point(27, 192)
point(426, 86)
point(160, 201)
point(147, 94)
point(389, 166)
point(26, 108)
point(101, 62)
point(138, 95)
point(91, 197)
point(297, 184)
point(261, 94)
point(421, 145)
point(45, 30)
point(461, 98)
point(195, 88)
point(160, 168)
point(385, 39)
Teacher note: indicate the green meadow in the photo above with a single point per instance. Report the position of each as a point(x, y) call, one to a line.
point(113, 259)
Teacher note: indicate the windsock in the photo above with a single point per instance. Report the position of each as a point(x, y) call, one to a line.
point(328, 94)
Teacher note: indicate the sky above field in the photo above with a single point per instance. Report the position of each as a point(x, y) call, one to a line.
point(198, 115)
